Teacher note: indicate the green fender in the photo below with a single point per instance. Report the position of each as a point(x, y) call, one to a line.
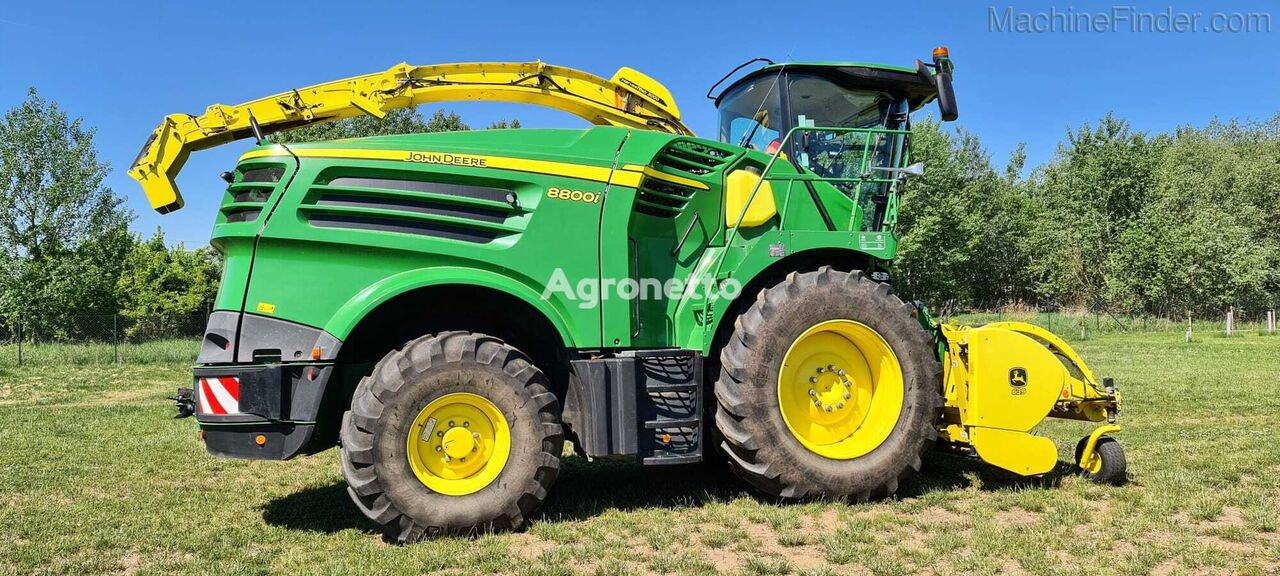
point(755, 262)
point(368, 300)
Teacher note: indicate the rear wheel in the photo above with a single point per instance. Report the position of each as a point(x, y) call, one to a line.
point(454, 433)
point(829, 387)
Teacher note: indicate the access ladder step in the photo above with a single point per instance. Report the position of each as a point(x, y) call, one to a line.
point(646, 404)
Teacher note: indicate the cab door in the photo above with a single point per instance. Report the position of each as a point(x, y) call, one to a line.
point(663, 226)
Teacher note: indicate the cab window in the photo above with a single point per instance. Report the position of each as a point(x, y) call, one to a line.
point(819, 102)
point(751, 114)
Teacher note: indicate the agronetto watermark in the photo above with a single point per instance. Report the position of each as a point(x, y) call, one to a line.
point(589, 292)
point(1124, 19)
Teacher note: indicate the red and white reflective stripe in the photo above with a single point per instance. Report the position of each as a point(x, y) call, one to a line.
point(220, 396)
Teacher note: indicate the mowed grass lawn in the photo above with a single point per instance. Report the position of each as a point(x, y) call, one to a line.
point(96, 477)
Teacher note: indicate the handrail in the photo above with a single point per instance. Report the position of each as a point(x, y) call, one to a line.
point(733, 231)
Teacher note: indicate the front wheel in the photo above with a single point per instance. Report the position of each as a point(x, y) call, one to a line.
point(829, 387)
point(456, 432)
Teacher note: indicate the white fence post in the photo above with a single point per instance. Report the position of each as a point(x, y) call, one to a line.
point(1231, 312)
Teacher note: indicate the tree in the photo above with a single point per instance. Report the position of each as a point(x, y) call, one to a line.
point(63, 234)
point(163, 290)
point(1092, 192)
point(398, 121)
point(1206, 239)
point(962, 226)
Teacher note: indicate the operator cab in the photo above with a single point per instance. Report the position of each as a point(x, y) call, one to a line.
point(846, 124)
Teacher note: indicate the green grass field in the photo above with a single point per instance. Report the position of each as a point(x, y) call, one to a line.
point(173, 352)
point(95, 477)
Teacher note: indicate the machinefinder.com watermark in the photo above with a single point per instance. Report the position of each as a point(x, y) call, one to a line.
point(1124, 19)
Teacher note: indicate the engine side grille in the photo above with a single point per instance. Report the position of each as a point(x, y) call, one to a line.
point(693, 158)
point(661, 198)
point(451, 211)
point(250, 191)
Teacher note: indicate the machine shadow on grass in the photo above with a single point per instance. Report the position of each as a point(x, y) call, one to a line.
point(588, 489)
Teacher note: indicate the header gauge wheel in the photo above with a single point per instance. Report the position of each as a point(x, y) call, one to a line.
point(829, 387)
point(1107, 465)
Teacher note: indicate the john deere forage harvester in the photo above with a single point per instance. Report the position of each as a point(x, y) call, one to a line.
point(451, 307)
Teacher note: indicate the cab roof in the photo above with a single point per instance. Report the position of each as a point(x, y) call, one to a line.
point(852, 75)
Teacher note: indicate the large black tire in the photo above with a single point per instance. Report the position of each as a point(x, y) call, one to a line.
point(760, 447)
point(374, 432)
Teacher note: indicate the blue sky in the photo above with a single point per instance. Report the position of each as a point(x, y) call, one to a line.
point(124, 65)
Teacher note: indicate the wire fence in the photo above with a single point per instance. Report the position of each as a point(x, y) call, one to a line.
point(100, 339)
point(119, 339)
point(1080, 324)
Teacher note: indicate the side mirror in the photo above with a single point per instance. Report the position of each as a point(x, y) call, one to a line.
point(940, 77)
point(911, 171)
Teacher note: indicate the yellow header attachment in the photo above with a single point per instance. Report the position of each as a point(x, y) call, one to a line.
point(629, 99)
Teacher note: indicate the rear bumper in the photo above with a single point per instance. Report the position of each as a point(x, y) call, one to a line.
point(282, 440)
point(231, 337)
point(261, 412)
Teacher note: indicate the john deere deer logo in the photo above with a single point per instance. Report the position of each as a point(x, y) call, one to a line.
point(1018, 381)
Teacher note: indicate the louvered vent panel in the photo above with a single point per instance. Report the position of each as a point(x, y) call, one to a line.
point(467, 213)
point(693, 158)
point(662, 199)
point(249, 193)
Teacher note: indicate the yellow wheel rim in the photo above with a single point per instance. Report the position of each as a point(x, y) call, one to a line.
point(1094, 465)
point(458, 444)
point(840, 389)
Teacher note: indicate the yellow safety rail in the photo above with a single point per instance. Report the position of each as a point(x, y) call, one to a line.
point(629, 99)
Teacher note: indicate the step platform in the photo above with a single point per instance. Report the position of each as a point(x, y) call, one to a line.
point(645, 404)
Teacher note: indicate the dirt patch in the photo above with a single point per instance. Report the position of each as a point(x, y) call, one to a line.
point(827, 521)
point(937, 517)
point(723, 559)
point(1159, 536)
point(802, 558)
point(129, 564)
point(1123, 549)
point(1165, 568)
point(1231, 517)
point(1229, 546)
point(528, 546)
point(1012, 568)
point(1016, 517)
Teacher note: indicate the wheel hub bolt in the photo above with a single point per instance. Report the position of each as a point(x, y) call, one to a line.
point(821, 370)
point(827, 408)
point(817, 403)
point(840, 406)
point(813, 379)
point(440, 433)
point(451, 424)
point(475, 434)
point(841, 373)
point(813, 392)
point(831, 367)
point(846, 395)
point(466, 424)
point(439, 448)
